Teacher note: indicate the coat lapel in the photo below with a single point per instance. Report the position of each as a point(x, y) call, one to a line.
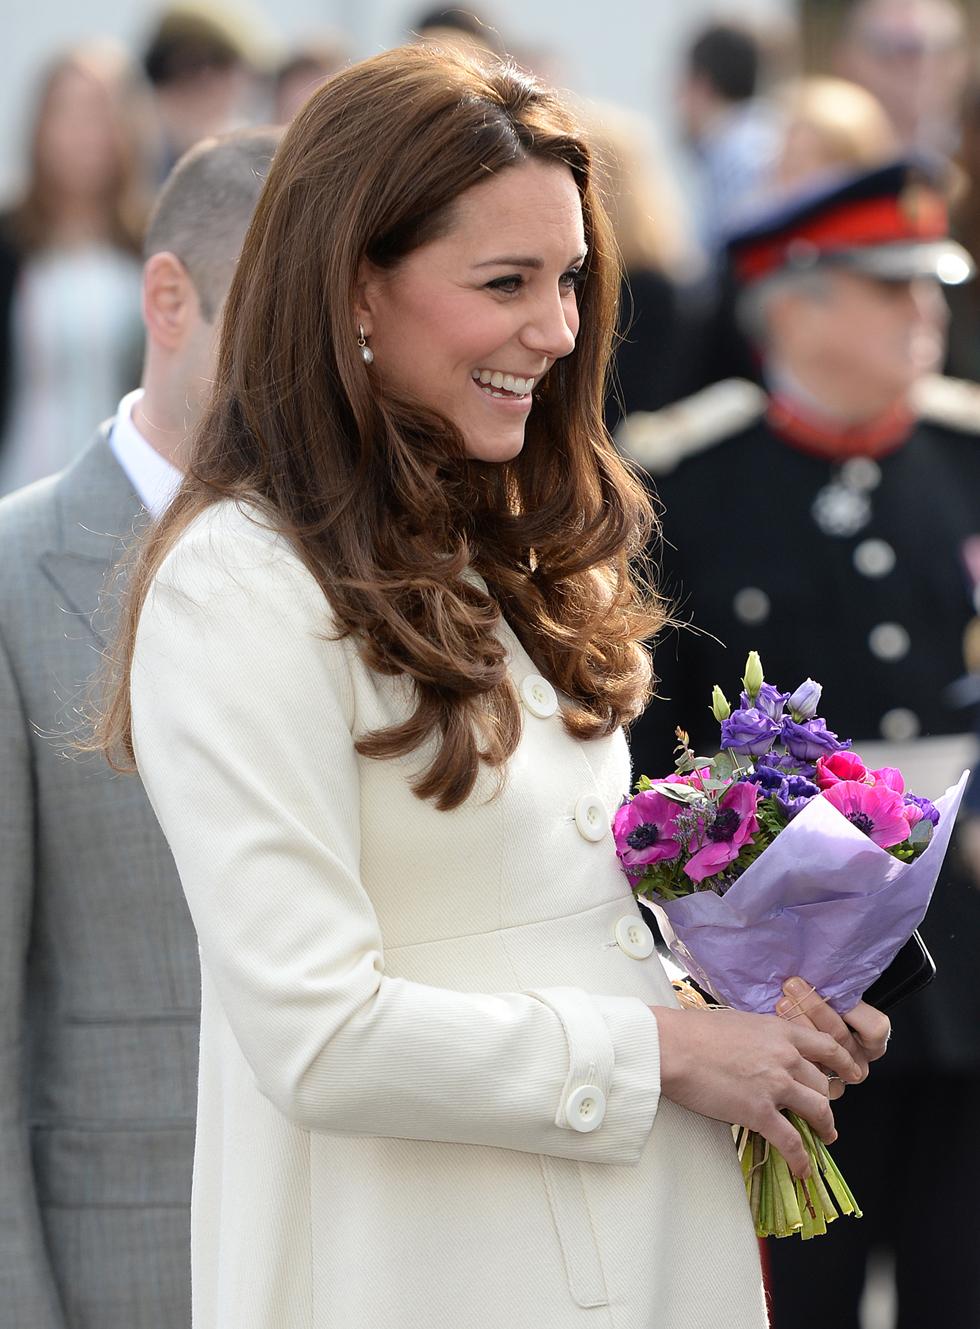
point(101, 517)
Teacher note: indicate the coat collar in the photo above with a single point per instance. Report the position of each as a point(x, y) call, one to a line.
point(99, 517)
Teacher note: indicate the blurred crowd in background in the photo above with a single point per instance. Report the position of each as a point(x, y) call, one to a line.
point(761, 112)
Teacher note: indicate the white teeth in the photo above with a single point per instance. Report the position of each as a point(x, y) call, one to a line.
point(509, 383)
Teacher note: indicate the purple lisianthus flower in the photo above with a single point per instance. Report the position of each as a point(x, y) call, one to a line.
point(810, 740)
point(750, 731)
point(768, 699)
point(768, 779)
point(805, 700)
point(928, 809)
point(796, 795)
point(645, 830)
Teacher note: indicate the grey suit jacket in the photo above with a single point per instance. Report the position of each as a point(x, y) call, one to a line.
point(99, 977)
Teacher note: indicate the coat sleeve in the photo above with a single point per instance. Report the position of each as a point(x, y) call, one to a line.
point(243, 714)
point(27, 1286)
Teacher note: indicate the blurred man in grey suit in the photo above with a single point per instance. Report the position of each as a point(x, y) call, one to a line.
point(99, 986)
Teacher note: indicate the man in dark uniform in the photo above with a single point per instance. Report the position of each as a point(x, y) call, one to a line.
point(832, 523)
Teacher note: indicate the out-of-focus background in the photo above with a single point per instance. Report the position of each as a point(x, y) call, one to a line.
point(701, 113)
point(627, 51)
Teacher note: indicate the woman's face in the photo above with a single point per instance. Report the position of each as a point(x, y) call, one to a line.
point(78, 143)
point(470, 323)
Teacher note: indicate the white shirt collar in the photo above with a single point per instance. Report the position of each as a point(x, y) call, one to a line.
point(155, 479)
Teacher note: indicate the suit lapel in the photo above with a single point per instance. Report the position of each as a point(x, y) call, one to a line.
point(101, 517)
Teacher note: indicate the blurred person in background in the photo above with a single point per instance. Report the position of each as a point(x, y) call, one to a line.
point(728, 122)
point(199, 64)
point(913, 55)
point(647, 214)
point(859, 471)
point(301, 73)
point(830, 125)
point(99, 980)
point(460, 28)
point(964, 329)
point(69, 263)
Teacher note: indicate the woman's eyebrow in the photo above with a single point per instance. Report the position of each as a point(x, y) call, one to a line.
point(511, 262)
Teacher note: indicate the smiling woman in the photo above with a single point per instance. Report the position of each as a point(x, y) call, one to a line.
point(376, 666)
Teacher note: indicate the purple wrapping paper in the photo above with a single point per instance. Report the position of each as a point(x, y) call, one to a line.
point(823, 901)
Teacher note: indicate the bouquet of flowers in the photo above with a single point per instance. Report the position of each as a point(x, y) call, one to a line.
point(783, 854)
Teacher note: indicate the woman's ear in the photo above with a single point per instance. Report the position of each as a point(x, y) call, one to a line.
point(367, 290)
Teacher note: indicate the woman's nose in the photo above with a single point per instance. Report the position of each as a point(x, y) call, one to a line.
point(552, 329)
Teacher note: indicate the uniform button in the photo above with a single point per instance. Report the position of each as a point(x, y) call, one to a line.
point(585, 1107)
point(591, 817)
point(539, 696)
point(634, 937)
point(899, 725)
point(889, 641)
point(861, 473)
point(874, 558)
point(751, 605)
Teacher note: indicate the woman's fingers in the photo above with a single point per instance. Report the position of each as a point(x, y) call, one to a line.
point(824, 1050)
point(813, 1106)
point(783, 1135)
point(872, 1027)
point(802, 1004)
point(830, 1086)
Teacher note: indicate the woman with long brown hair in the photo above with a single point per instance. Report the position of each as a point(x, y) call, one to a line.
point(70, 330)
point(374, 674)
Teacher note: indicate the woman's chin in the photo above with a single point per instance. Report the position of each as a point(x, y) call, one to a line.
point(495, 450)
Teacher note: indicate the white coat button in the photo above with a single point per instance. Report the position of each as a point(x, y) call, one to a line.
point(585, 1107)
point(539, 696)
point(591, 817)
point(634, 937)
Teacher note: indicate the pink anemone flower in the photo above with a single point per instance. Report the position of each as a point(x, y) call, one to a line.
point(838, 766)
point(644, 830)
point(876, 810)
point(734, 824)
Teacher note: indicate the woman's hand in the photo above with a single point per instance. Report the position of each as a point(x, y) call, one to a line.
point(744, 1069)
point(863, 1031)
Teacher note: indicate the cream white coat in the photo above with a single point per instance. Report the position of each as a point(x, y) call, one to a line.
point(429, 1083)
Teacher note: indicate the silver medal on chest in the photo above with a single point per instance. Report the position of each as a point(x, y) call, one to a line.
point(843, 507)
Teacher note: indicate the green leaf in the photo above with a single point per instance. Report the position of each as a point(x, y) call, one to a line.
point(678, 793)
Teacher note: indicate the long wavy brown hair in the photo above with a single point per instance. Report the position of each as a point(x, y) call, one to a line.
point(375, 492)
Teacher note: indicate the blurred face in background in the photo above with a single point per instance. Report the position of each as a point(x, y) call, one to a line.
point(913, 56)
point(866, 338)
point(468, 324)
point(78, 147)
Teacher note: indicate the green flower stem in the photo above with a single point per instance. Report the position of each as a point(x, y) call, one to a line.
point(784, 1206)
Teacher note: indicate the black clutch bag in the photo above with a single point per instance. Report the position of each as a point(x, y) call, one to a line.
point(912, 969)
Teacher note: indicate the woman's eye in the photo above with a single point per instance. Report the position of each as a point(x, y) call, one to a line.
point(508, 285)
point(573, 279)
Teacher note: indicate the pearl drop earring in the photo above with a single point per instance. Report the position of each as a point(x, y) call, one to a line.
point(366, 352)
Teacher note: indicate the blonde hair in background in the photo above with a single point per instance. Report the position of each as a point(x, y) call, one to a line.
point(641, 197)
point(832, 125)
